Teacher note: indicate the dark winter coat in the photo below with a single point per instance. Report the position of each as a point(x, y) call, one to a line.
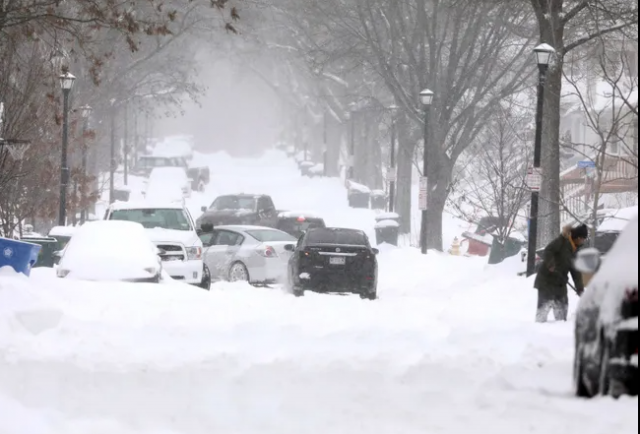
point(558, 263)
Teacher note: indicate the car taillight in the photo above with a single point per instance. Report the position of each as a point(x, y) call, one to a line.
point(268, 252)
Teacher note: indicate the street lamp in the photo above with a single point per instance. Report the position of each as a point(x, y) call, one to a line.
point(393, 173)
point(85, 111)
point(426, 96)
point(544, 53)
point(66, 83)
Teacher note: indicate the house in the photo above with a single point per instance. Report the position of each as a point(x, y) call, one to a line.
point(600, 126)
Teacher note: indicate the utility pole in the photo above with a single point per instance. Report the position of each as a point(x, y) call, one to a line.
point(427, 99)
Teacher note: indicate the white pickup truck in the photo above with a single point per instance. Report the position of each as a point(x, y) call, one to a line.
point(172, 229)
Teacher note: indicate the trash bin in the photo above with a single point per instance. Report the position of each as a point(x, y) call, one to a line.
point(378, 199)
point(49, 247)
point(387, 228)
point(500, 252)
point(18, 255)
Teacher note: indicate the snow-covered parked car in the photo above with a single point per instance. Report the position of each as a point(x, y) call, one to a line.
point(164, 179)
point(171, 228)
point(606, 358)
point(110, 251)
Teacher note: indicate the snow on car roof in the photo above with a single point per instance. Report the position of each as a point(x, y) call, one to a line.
point(109, 250)
point(151, 204)
point(619, 272)
point(617, 220)
point(63, 231)
point(354, 186)
point(296, 214)
point(244, 228)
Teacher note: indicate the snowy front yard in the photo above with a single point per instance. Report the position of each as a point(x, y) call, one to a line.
point(450, 346)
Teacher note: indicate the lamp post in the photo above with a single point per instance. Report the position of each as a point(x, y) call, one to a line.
point(426, 97)
point(544, 54)
point(112, 155)
point(86, 114)
point(393, 173)
point(66, 83)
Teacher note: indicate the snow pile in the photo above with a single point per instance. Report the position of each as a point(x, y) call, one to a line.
point(617, 221)
point(449, 334)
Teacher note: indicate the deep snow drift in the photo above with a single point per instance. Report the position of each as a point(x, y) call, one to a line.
point(450, 347)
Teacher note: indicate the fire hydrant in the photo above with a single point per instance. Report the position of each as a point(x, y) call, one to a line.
point(455, 247)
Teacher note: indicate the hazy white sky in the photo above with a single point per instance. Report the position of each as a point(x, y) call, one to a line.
point(239, 113)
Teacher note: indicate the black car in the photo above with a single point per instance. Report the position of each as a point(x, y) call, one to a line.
point(606, 334)
point(333, 260)
point(297, 223)
point(239, 209)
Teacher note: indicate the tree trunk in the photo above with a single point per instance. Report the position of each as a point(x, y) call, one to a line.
point(440, 174)
point(406, 149)
point(549, 216)
point(550, 21)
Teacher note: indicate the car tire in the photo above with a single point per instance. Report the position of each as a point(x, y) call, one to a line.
point(206, 278)
point(580, 387)
point(369, 295)
point(604, 381)
point(236, 271)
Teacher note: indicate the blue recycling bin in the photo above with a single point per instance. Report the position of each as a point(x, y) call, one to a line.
point(18, 255)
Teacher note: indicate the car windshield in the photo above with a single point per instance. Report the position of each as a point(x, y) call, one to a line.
point(268, 236)
point(234, 203)
point(336, 236)
point(174, 219)
point(150, 162)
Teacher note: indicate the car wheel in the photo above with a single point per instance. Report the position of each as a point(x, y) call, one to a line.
point(206, 278)
point(580, 387)
point(238, 273)
point(604, 382)
point(369, 295)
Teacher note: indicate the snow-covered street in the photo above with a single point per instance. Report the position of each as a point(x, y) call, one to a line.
point(450, 347)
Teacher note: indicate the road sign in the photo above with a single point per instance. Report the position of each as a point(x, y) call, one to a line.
point(534, 178)
point(587, 164)
point(423, 197)
point(392, 174)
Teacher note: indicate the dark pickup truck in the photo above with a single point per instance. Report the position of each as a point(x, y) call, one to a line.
point(240, 209)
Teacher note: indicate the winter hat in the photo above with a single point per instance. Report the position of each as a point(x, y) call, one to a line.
point(581, 231)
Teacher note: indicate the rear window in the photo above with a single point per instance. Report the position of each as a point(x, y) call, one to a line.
point(292, 225)
point(336, 236)
point(267, 236)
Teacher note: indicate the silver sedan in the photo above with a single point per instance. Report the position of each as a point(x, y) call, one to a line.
point(251, 254)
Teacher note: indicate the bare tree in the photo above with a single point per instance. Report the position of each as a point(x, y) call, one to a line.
point(493, 182)
point(604, 90)
point(570, 25)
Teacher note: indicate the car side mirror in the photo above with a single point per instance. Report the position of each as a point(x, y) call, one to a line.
point(57, 254)
point(588, 261)
point(289, 247)
point(160, 252)
point(375, 251)
point(204, 209)
point(206, 227)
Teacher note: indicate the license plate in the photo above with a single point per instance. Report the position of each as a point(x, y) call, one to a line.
point(337, 260)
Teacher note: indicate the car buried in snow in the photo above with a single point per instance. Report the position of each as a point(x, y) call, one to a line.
point(239, 209)
point(96, 253)
point(252, 254)
point(606, 333)
point(198, 176)
point(333, 260)
point(171, 228)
